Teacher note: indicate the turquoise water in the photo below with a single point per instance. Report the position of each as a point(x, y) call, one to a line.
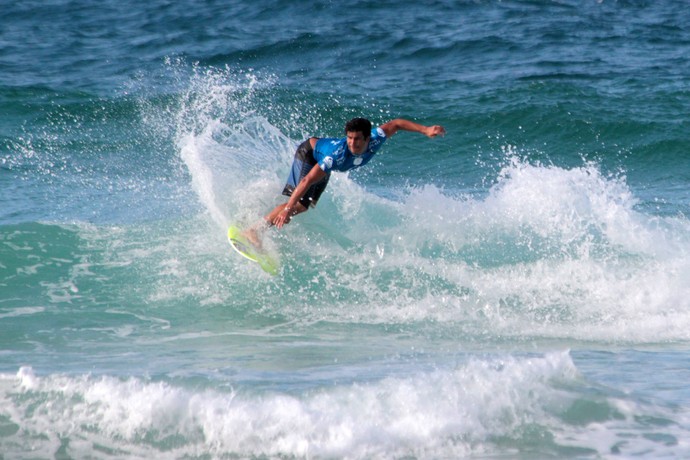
point(516, 289)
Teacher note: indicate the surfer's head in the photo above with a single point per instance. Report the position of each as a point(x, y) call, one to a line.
point(358, 132)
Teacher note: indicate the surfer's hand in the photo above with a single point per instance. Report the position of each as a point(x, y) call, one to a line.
point(282, 218)
point(436, 130)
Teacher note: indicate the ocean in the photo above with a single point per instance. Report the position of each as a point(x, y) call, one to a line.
point(517, 289)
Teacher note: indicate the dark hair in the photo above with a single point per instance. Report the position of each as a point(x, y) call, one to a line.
point(361, 125)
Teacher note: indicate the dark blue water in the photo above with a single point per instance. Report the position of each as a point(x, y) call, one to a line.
point(516, 289)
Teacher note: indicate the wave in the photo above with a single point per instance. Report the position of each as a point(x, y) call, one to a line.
point(545, 251)
point(484, 405)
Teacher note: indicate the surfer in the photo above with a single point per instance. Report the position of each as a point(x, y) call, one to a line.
point(316, 158)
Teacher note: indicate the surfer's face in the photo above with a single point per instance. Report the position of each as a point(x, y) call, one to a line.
point(356, 142)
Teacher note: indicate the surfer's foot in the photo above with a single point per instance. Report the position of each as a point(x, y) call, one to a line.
point(252, 234)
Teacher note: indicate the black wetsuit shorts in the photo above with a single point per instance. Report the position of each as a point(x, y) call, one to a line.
point(303, 162)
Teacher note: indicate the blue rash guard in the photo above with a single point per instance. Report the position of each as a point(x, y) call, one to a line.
point(332, 154)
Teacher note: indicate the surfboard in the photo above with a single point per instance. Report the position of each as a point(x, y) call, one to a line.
point(246, 249)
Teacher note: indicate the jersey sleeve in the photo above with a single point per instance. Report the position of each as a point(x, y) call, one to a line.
point(378, 137)
point(326, 149)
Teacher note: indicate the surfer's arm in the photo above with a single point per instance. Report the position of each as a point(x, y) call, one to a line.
point(291, 208)
point(398, 124)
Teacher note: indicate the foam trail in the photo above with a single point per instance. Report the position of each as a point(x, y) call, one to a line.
point(232, 153)
point(202, 178)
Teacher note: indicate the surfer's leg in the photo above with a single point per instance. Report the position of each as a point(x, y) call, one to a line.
point(303, 162)
point(253, 233)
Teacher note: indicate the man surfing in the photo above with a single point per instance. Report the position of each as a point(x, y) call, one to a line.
point(316, 158)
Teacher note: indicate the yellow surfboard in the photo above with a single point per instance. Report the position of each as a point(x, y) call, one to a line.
point(245, 248)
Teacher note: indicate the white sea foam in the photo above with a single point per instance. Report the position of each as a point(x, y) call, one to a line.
point(547, 252)
point(21, 311)
point(444, 412)
point(482, 406)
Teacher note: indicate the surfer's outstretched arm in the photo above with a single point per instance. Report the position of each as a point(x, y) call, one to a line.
point(398, 124)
